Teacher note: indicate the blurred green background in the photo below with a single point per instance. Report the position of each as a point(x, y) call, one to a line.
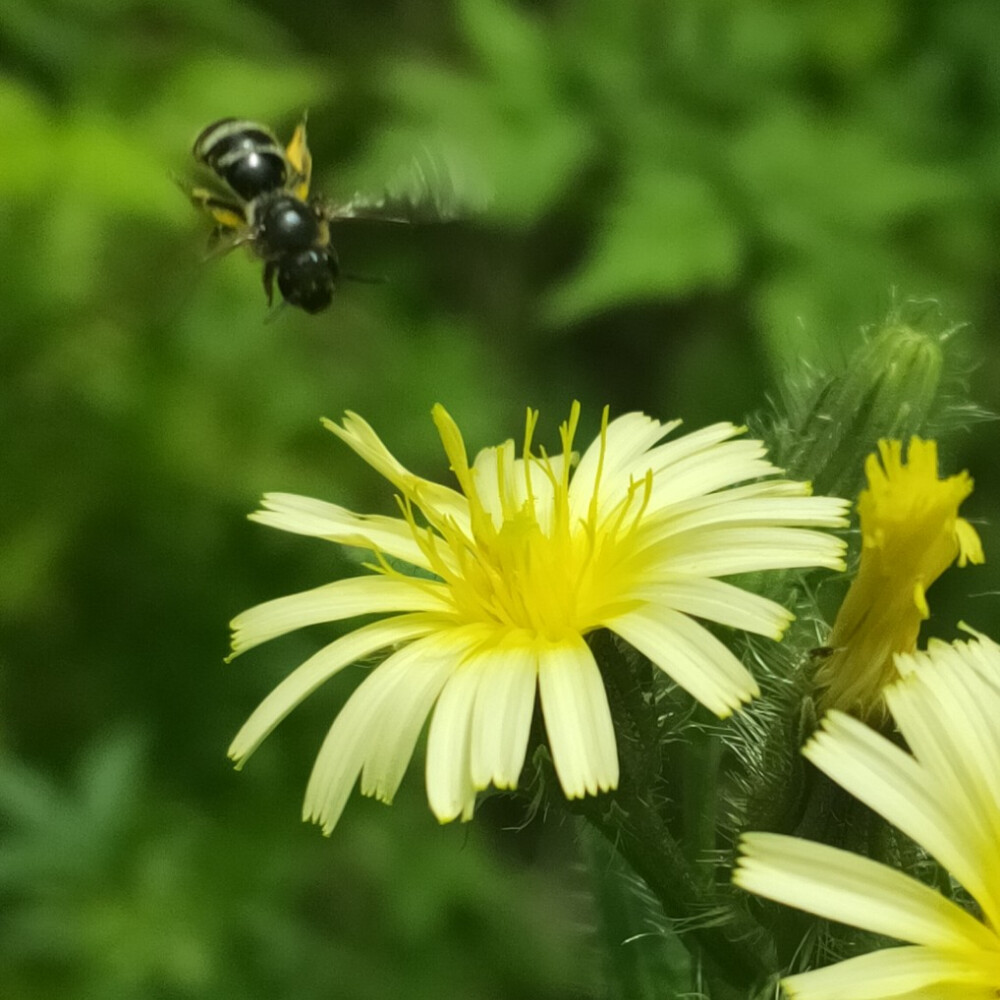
point(689, 196)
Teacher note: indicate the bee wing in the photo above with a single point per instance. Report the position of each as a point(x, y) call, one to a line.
point(433, 187)
point(300, 159)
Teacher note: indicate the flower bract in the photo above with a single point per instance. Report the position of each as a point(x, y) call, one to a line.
point(491, 589)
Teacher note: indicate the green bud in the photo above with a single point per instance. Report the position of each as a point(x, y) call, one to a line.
point(904, 379)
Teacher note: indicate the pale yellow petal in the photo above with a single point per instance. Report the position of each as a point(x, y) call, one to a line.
point(320, 667)
point(890, 781)
point(360, 436)
point(717, 601)
point(714, 469)
point(673, 453)
point(577, 718)
point(854, 890)
point(391, 536)
point(358, 595)
point(451, 792)
point(493, 474)
point(433, 498)
point(393, 734)
point(690, 655)
point(627, 439)
point(765, 512)
point(949, 717)
point(501, 720)
point(905, 973)
point(727, 550)
point(349, 740)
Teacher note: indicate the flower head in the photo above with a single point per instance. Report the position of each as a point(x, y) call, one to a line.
point(910, 534)
point(492, 589)
point(946, 796)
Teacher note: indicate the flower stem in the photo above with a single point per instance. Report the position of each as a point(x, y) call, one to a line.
point(735, 951)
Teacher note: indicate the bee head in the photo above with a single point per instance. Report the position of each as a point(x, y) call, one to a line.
point(307, 279)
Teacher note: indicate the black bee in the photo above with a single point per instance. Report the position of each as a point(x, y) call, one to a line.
point(266, 204)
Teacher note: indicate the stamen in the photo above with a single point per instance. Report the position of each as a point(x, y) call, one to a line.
point(531, 423)
point(506, 500)
point(426, 539)
point(592, 512)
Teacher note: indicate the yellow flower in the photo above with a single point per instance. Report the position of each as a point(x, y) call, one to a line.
point(946, 797)
point(493, 589)
point(910, 534)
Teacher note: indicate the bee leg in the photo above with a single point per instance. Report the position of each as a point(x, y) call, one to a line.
point(226, 213)
point(269, 271)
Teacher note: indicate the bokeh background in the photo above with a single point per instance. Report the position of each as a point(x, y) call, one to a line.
point(689, 197)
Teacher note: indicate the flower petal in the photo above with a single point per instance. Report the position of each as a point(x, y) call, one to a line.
point(720, 509)
point(705, 439)
point(394, 733)
point(501, 719)
point(431, 497)
point(688, 653)
point(493, 475)
point(725, 550)
point(950, 721)
point(358, 595)
point(897, 787)
point(705, 472)
point(907, 973)
point(854, 890)
point(349, 740)
point(450, 789)
point(627, 439)
point(301, 683)
point(319, 519)
point(577, 718)
point(716, 601)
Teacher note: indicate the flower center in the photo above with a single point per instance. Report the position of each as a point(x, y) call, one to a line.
point(522, 560)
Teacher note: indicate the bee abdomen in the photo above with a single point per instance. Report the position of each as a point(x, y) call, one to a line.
point(245, 154)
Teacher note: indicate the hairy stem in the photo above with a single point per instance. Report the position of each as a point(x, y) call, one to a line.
point(736, 953)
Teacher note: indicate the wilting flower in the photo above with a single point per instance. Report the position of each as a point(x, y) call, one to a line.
point(946, 796)
point(911, 533)
point(493, 596)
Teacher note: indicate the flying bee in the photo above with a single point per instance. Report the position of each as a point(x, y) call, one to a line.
point(266, 205)
point(264, 202)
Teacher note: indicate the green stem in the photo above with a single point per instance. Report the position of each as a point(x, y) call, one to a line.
point(732, 946)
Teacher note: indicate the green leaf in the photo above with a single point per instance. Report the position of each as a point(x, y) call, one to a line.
point(512, 46)
point(668, 235)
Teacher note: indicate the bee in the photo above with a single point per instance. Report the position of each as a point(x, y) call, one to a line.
point(265, 204)
point(264, 201)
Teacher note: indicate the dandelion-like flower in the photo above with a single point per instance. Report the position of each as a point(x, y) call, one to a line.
point(946, 796)
point(911, 533)
point(508, 576)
